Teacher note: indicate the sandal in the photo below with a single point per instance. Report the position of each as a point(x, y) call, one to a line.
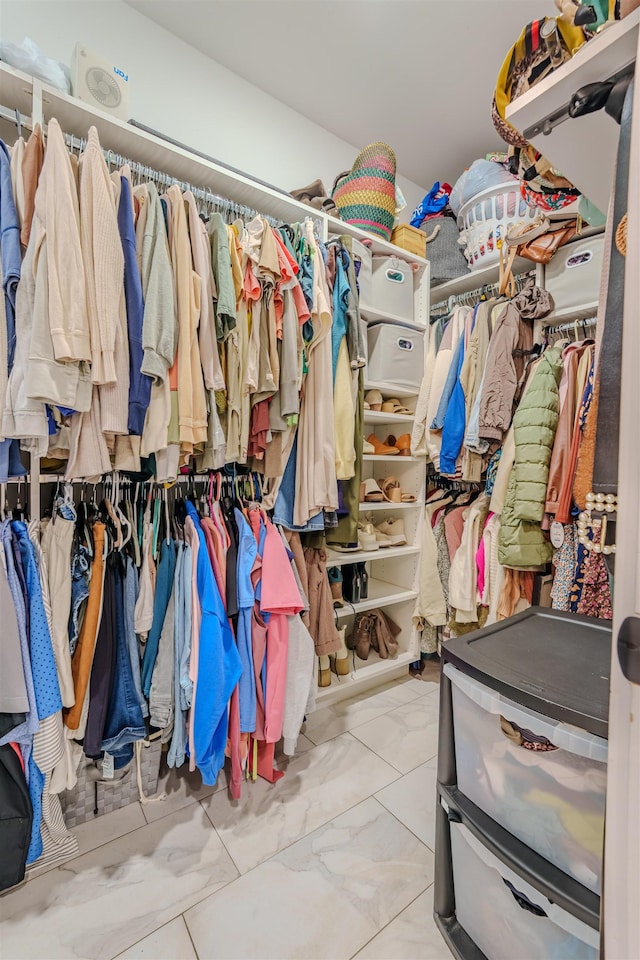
point(374, 400)
point(370, 492)
point(392, 491)
point(394, 406)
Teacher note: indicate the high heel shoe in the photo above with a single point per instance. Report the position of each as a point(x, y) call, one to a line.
point(340, 659)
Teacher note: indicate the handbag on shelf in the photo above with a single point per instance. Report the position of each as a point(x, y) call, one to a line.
point(366, 195)
point(542, 248)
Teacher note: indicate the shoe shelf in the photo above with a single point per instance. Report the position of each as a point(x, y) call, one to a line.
point(365, 675)
point(385, 505)
point(380, 594)
point(385, 458)
point(390, 389)
point(337, 559)
point(377, 416)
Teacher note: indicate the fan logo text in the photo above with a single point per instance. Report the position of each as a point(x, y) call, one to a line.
point(121, 73)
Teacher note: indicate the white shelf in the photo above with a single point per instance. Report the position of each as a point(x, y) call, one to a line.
point(393, 390)
point(387, 458)
point(365, 507)
point(584, 148)
point(337, 559)
point(377, 244)
point(580, 312)
point(476, 279)
point(372, 316)
point(378, 416)
point(381, 594)
point(367, 673)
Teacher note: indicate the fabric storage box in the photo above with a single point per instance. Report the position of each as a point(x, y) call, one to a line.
point(552, 800)
point(504, 915)
point(396, 355)
point(444, 252)
point(573, 275)
point(391, 291)
point(410, 238)
point(89, 794)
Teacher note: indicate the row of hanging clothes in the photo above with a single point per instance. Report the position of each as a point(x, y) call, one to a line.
point(501, 417)
point(134, 609)
point(153, 327)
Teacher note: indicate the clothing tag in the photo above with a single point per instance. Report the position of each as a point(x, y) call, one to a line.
point(108, 769)
point(557, 534)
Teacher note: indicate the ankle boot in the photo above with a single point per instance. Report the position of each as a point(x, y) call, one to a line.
point(340, 659)
point(324, 672)
point(335, 582)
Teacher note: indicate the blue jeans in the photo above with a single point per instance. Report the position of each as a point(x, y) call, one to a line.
point(79, 592)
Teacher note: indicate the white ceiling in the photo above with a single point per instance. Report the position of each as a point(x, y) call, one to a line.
point(419, 74)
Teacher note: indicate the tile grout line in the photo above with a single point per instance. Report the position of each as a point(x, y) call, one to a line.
point(213, 827)
point(406, 826)
point(184, 920)
point(360, 949)
point(360, 724)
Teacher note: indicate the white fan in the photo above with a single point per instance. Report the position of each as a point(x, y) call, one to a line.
point(98, 82)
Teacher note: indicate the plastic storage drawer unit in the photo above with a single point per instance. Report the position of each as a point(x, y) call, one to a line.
point(396, 355)
point(391, 289)
point(573, 275)
point(505, 916)
point(542, 780)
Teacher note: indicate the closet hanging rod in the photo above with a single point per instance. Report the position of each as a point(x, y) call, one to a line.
point(143, 172)
point(16, 117)
point(573, 325)
point(471, 297)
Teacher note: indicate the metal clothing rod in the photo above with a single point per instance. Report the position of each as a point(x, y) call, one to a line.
point(163, 180)
point(471, 297)
point(573, 325)
point(14, 116)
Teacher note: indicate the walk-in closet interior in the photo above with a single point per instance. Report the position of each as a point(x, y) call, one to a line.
point(319, 514)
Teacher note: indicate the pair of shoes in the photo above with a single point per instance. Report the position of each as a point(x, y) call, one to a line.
point(402, 443)
point(382, 448)
point(393, 492)
point(390, 532)
point(394, 406)
point(374, 629)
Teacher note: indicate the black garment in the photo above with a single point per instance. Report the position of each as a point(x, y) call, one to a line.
point(8, 721)
point(232, 557)
point(103, 667)
point(16, 815)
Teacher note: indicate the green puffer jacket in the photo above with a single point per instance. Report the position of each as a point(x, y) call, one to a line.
point(522, 542)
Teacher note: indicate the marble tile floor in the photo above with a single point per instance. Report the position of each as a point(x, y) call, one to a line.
point(336, 860)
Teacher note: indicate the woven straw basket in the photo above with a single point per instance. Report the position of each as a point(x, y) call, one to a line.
point(366, 196)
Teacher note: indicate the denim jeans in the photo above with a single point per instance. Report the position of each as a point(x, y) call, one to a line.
point(283, 507)
point(123, 723)
point(79, 592)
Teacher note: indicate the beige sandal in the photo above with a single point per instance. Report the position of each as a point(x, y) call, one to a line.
point(394, 406)
point(370, 492)
point(392, 491)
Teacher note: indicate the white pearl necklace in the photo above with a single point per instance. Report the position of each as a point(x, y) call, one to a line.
point(601, 503)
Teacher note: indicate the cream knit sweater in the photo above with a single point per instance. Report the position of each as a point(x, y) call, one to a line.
point(103, 259)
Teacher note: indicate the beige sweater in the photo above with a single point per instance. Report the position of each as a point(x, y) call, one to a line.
point(59, 215)
point(103, 259)
point(192, 409)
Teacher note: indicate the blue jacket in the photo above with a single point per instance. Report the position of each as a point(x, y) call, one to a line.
point(219, 668)
point(139, 383)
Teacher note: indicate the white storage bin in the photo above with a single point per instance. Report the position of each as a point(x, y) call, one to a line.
point(391, 289)
point(396, 355)
point(573, 276)
point(553, 801)
point(505, 916)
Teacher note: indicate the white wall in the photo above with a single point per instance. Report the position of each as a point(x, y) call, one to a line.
point(182, 93)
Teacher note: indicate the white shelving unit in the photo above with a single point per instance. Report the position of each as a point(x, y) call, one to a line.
point(392, 585)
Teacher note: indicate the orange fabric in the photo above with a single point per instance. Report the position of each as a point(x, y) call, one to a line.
point(82, 659)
